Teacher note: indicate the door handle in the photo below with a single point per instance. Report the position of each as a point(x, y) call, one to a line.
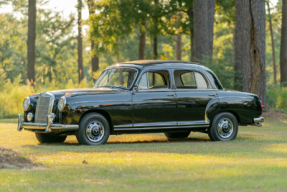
point(214, 95)
point(171, 95)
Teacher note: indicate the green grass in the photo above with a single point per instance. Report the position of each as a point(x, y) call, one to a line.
point(255, 161)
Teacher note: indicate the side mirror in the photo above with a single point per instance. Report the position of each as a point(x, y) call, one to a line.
point(136, 88)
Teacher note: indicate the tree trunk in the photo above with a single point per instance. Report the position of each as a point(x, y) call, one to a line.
point(190, 15)
point(117, 47)
point(80, 43)
point(272, 42)
point(200, 27)
point(211, 9)
point(155, 47)
point(155, 22)
point(95, 58)
point(283, 48)
point(31, 42)
point(250, 46)
point(178, 38)
point(142, 40)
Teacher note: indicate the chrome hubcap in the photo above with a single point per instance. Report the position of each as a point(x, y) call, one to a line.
point(95, 131)
point(225, 128)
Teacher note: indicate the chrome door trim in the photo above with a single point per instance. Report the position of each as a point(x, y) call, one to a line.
point(156, 128)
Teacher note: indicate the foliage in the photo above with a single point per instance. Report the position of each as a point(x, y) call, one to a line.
point(14, 92)
point(115, 29)
point(276, 97)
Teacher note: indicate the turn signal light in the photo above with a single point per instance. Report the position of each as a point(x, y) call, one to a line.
point(262, 104)
point(68, 93)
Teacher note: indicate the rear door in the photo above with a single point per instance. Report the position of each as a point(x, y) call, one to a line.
point(193, 94)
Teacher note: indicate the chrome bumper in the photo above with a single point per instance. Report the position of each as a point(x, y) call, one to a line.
point(43, 127)
point(258, 121)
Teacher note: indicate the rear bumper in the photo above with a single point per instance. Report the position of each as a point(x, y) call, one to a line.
point(258, 121)
point(43, 127)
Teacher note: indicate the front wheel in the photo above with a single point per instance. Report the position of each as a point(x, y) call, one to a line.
point(94, 130)
point(48, 138)
point(224, 127)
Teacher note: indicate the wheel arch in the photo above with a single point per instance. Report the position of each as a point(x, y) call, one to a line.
point(103, 113)
point(226, 111)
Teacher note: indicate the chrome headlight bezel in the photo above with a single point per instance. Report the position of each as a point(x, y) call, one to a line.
point(62, 103)
point(26, 104)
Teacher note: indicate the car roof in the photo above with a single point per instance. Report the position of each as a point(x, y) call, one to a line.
point(160, 64)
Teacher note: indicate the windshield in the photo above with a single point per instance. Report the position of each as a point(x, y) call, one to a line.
point(116, 78)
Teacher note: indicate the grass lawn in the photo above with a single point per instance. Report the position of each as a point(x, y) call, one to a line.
point(255, 161)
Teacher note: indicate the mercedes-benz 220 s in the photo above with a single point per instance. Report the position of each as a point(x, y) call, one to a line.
point(172, 97)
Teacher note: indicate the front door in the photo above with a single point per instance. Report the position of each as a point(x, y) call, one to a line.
point(154, 105)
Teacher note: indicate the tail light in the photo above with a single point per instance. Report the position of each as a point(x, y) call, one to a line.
point(262, 104)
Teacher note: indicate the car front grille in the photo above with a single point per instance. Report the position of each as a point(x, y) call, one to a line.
point(43, 108)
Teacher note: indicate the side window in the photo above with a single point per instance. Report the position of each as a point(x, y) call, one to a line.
point(189, 80)
point(143, 82)
point(154, 80)
point(200, 81)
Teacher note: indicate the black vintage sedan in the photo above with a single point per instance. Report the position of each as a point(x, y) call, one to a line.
point(172, 97)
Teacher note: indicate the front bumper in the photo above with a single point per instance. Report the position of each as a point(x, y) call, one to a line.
point(258, 121)
point(43, 127)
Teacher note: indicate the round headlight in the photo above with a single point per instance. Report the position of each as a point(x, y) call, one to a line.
point(62, 103)
point(26, 103)
point(30, 116)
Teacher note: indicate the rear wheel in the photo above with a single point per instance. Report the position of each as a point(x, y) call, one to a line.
point(224, 127)
point(177, 135)
point(48, 138)
point(94, 130)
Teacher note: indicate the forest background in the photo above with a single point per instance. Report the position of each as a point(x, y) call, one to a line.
point(43, 46)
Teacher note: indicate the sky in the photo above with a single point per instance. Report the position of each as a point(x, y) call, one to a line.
point(69, 6)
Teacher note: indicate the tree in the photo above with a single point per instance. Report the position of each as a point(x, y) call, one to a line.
point(203, 19)
point(178, 38)
point(95, 58)
point(200, 22)
point(272, 42)
point(155, 30)
point(31, 41)
point(142, 39)
point(249, 46)
point(210, 24)
point(80, 42)
point(283, 48)
point(52, 41)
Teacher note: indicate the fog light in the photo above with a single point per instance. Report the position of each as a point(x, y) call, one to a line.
point(30, 116)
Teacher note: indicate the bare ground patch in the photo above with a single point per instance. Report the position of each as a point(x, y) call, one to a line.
point(272, 114)
point(10, 159)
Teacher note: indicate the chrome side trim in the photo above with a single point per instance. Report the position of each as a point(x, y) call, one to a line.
point(193, 122)
point(258, 120)
point(171, 127)
point(43, 126)
point(162, 124)
point(123, 126)
point(158, 124)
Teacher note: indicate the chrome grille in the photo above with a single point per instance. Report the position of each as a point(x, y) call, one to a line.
point(43, 108)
